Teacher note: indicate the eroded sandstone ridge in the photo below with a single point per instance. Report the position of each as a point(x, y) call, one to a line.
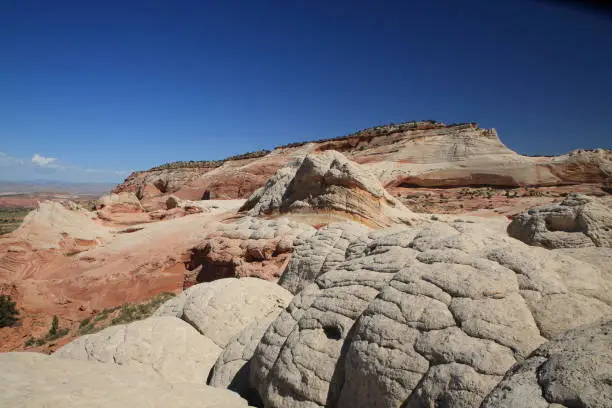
point(425, 154)
point(327, 182)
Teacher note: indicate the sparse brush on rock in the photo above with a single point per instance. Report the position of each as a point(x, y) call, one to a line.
point(122, 314)
point(54, 333)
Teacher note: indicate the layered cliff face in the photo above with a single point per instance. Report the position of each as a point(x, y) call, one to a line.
point(413, 154)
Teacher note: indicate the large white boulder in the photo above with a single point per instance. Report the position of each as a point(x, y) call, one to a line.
point(222, 308)
point(167, 345)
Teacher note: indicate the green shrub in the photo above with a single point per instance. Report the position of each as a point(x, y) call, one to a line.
point(9, 315)
point(54, 324)
point(58, 334)
point(84, 323)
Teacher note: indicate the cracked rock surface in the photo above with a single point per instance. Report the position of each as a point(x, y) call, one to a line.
point(232, 368)
point(167, 345)
point(429, 316)
point(222, 308)
point(572, 370)
point(578, 221)
point(316, 254)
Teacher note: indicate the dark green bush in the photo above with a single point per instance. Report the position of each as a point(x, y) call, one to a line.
point(9, 315)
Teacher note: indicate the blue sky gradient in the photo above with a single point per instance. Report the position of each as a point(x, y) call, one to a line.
point(104, 88)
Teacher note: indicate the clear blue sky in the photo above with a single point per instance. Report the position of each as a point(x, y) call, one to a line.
point(105, 87)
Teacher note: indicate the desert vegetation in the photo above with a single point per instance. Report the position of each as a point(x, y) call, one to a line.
point(210, 163)
point(9, 315)
point(11, 218)
point(54, 333)
point(122, 314)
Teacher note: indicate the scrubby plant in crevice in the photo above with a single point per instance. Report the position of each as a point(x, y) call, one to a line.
point(9, 315)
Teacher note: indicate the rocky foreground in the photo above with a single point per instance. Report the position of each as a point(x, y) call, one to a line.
point(320, 289)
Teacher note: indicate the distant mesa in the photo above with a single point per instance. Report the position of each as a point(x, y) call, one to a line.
point(408, 155)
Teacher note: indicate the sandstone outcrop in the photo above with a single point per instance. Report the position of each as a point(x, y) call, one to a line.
point(232, 369)
point(421, 317)
point(578, 221)
point(425, 154)
point(327, 182)
point(69, 263)
point(166, 345)
point(32, 380)
point(597, 256)
point(221, 309)
point(121, 202)
point(316, 254)
point(53, 225)
point(247, 247)
point(572, 370)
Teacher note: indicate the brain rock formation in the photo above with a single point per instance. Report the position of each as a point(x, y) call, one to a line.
point(572, 370)
point(414, 317)
point(327, 182)
point(578, 221)
point(319, 253)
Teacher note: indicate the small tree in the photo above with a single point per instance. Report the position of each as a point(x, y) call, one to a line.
point(54, 324)
point(9, 315)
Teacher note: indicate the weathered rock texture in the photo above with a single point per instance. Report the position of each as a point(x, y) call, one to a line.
point(417, 317)
point(166, 345)
point(53, 225)
point(221, 309)
point(122, 202)
point(32, 380)
point(232, 370)
point(572, 370)
point(247, 247)
point(327, 182)
point(425, 154)
point(578, 221)
point(316, 254)
point(597, 256)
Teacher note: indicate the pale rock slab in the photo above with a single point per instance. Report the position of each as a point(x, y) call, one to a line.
point(222, 308)
point(167, 345)
point(32, 380)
